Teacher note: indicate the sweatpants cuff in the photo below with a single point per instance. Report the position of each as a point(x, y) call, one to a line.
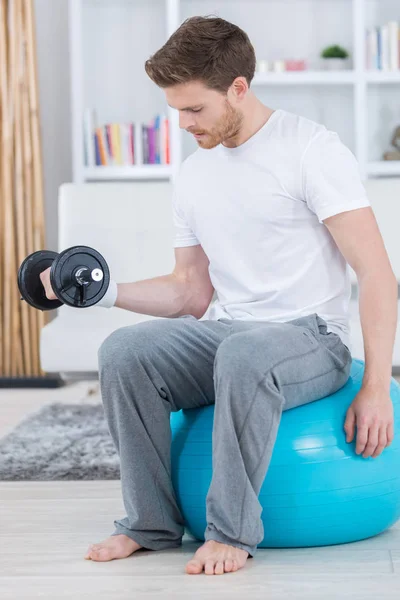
point(146, 543)
point(217, 536)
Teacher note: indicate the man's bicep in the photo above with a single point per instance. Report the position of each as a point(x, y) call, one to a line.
point(192, 262)
point(191, 265)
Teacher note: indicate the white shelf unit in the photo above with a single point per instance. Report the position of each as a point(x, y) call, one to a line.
point(105, 173)
point(305, 77)
point(357, 81)
point(384, 168)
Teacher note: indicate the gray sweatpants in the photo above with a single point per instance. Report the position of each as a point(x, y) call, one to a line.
point(251, 370)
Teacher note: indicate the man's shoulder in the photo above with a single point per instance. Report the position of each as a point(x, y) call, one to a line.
point(300, 129)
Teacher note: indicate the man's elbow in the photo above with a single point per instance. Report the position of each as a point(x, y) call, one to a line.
point(202, 305)
point(379, 276)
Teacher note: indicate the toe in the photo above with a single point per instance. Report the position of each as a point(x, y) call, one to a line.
point(219, 567)
point(234, 565)
point(209, 567)
point(88, 553)
point(228, 565)
point(101, 554)
point(194, 567)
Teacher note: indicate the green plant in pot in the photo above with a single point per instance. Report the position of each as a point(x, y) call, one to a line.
point(335, 57)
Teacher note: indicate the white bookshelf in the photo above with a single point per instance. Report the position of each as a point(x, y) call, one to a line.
point(381, 77)
point(384, 168)
point(305, 78)
point(105, 173)
point(350, 89)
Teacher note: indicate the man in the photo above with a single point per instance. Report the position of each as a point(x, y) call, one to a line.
point(268, 212)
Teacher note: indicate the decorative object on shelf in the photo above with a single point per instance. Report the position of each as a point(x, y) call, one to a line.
point(296, 65)
point(262, 66)
point(118, 144)
point(383, 47)
point(335, 57)
point(280, 66)
point(394, 154)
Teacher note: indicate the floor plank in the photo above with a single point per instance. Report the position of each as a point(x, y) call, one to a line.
point(234, 586)
point(395, 554)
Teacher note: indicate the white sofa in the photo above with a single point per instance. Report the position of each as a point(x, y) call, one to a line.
point(131, 225)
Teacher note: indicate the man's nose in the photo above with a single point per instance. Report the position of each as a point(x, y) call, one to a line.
point(185, 121)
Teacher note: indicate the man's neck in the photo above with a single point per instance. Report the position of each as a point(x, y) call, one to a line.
point(255, 118)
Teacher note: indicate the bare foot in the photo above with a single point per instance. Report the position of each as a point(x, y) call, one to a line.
point(216, 558)
point(116, 546)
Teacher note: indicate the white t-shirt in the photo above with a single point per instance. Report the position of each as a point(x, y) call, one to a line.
point(257, 210)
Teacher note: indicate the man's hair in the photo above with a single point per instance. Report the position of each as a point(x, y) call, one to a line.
point(206, 49)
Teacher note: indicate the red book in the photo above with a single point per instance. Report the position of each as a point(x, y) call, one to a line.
point(167, 150)
point(132, 141)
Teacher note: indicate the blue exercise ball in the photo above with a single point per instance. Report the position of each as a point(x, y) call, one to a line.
point(317, 490)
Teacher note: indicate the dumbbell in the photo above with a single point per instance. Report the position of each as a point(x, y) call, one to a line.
point(79, 277)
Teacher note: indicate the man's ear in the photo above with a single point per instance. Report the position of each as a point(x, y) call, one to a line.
point(239, 88)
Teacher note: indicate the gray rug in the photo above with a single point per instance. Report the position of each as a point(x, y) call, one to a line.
point(61, 441)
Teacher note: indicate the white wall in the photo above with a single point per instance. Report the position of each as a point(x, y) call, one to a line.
point(53, 75)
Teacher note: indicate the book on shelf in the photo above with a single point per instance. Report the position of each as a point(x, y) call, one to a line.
point(383, 47)
point(121, 144)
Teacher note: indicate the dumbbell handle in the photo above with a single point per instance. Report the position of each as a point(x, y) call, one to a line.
point(83, 276)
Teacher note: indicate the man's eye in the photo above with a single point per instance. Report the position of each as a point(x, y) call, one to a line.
point(198, 110)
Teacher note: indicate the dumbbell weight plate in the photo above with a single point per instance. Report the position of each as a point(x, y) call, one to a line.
point(29, 282)
point(62, 276)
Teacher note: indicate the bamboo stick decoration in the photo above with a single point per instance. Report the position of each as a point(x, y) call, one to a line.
point(21, 186)
point(11, 330)
point(7, 191)
point(30, 328)
point(23, 357)
point(3, 80)
point(38, 193)
point(14, 74)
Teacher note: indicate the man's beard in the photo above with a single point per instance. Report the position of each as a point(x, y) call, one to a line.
point(227, 127)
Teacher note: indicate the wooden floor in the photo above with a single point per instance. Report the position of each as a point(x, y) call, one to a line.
point(46, 527)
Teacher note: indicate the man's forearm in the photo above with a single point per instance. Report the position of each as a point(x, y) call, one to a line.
point(378, 315)
point(164, 296)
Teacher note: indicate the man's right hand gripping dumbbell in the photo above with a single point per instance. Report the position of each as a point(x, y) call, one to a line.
point(45, 279)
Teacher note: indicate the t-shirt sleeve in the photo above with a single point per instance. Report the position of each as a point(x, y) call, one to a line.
point(183, 235)
point(331, 178)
